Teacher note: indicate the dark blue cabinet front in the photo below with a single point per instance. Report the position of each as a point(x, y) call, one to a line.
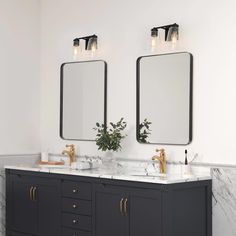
point(43, 204)
point(33, 205)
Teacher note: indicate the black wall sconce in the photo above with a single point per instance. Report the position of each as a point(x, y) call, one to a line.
point(171, 34)
point(91, 44)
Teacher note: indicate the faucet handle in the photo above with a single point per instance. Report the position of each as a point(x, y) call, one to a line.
point(162, 150)
point(71, 146)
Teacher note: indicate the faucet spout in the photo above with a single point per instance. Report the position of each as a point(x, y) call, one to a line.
point(70, 152)
point(65, 152)
point(161, 159)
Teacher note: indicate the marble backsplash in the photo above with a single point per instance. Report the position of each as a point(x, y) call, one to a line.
point(224, 191)
point(224, 201)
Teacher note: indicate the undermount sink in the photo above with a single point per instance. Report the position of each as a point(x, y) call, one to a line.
point(55, 166)
point(79, 165)
point(159, 175)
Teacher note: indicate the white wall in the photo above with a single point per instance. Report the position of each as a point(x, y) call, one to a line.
point(19, 76)
point(123, 27)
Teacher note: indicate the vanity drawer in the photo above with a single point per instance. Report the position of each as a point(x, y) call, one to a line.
point(80, 190)
point(77, 221)
point(74, 232)
point(77, 206)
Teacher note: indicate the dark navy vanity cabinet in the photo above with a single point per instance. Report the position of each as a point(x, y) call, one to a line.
point(44, 204)
point(33, 205)
point(128, 211)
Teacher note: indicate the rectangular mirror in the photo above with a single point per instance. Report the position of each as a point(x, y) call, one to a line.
point(164, 99)
point(83, 99)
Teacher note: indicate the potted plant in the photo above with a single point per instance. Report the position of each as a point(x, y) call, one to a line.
point(144, 131)
point(108, 138)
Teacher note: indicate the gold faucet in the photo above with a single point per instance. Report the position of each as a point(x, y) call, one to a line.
point(161, 159)
point(70, 152)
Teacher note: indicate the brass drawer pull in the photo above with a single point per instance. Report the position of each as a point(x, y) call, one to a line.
point(125, 206)
point(34, 194)
point(75, 190)
point(30, 193)
point(121, 206)
point(75, 221)
point(74, 206)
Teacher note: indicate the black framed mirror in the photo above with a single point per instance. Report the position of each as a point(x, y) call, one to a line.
point(164, 99)
point(83, 99)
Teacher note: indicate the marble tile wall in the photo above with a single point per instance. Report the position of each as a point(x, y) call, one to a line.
point(224, 201)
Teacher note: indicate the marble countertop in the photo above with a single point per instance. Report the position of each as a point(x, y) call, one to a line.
point(118, 174)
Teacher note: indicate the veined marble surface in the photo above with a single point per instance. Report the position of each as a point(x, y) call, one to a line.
point(224, 201)
point(139, 171)
point(111, 174)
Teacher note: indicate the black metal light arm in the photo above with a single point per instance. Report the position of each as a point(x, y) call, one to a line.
point(86, 38)
point(154, 30)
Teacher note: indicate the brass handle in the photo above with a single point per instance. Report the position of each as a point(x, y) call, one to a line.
point(121, 206)
point(30, 193)
point(34, 194)
point(125, 206)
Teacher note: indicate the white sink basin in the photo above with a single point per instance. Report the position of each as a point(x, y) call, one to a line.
point(149, 175)
point(54, 166)
point(79, 165)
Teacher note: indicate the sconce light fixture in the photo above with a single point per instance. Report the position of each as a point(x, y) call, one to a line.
point(171, 34)
point(154, 35)
point(91, 44)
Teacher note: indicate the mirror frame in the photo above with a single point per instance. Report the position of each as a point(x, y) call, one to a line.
point(61, 97)
point(190, 98)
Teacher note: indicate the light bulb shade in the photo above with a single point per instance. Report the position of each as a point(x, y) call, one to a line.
point(154, 32)
point(92, 44)
point(76, 42)
point(173, 33)
point(76, 48)
point(76, 52)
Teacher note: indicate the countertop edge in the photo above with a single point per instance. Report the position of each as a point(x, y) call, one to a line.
point(115, 176)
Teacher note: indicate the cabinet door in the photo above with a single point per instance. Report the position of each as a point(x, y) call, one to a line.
point(21, 209)
point(109, 216)
point(33, 205)
point(145, 213)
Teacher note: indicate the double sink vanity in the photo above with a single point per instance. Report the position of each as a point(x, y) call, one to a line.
point(45, 201)
point(99, 202)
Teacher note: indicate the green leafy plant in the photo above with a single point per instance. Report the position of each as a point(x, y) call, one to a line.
point(109, 138)
point(144, 130)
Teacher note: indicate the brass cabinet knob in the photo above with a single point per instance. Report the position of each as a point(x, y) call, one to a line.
point(74, 221)
point(74, 206)
point(75, 190)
